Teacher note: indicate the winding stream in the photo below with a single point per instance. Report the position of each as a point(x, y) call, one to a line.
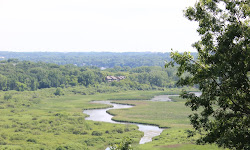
point(148, 130)
point(101, 115)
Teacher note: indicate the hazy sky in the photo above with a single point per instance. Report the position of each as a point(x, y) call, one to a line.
point(96, 25)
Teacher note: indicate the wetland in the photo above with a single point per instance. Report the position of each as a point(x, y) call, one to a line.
point(41, 120)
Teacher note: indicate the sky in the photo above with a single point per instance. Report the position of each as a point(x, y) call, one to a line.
point(96, 26)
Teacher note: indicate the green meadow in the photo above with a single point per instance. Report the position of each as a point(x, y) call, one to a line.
point(41, 120)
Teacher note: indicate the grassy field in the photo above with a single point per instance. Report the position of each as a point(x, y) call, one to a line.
point(41, 120)
point(163, 114)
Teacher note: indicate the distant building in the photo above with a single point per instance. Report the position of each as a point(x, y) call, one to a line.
point(113, 78)
point(102, 68)
point(121, 77)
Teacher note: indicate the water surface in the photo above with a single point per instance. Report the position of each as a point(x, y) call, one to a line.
point(102, 115)
point(162, 98)
point(198, 94)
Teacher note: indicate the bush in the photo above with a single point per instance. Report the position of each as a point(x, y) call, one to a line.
point(2, 142)
point(119, 130)
point(76, 132)
point(7, 96)
point(59, 91)
point(31, 140)
point(96, 133)
point(84, 133)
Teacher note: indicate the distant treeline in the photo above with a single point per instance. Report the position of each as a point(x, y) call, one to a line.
point(98, 59)
point(27, 75)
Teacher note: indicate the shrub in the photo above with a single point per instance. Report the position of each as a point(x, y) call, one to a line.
point(4, 136)
point(2, 142)
point(7, 96)
point(84, 132)
point(119, 130)
point(31, 140)
point(76, 132)
point(126, 130)
point(59, 91)
point(96, 133)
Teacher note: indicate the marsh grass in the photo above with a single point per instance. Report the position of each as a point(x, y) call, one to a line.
point(42, 120)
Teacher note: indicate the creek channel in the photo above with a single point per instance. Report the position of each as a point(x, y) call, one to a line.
point(149, 131)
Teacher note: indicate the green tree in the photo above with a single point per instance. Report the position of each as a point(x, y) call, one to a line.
point(21, 86)
point(54, 76)
point(33, 85)
point(220, 71)
point(3, 82)
point(87, 78)
point(59, 91)
point(72, 80)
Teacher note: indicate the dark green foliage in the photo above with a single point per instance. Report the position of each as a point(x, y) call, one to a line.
point(3, 82)
point(58, 91)
point(31, 140)
point(96, 133)
point(25, 75)
point(119, 130)
point(7, 96)
point(221, 71)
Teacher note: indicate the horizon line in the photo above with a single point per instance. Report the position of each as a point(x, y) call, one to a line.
point(96, 51)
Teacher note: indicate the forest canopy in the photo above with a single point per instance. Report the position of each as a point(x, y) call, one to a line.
point(26, 75)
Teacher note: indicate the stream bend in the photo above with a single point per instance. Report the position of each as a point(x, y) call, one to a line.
point(149, 131)
point(102, 115)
